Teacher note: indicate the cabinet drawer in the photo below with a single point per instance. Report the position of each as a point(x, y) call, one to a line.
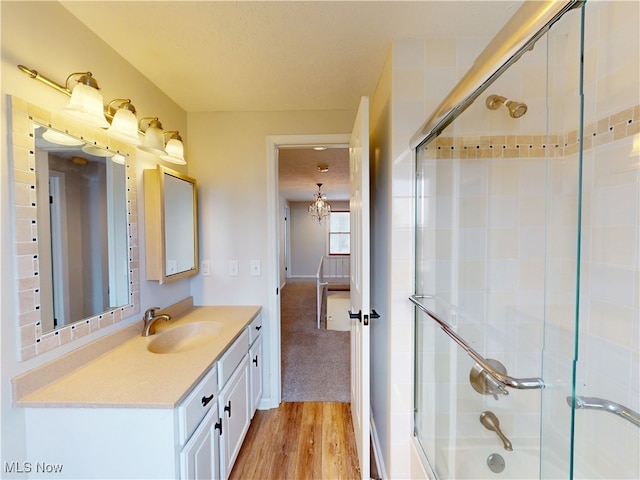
point(232, 357)
point(193, 408)
point(255, 328)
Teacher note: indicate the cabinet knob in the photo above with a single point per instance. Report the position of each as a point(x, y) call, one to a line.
point(227, 408)
point(206, 400)
point(218, 426)
point(255, 360)
point(258, 327)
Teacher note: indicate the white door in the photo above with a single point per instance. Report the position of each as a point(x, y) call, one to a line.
point(360, 306)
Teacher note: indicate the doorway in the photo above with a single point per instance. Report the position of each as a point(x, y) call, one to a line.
point(277, 232)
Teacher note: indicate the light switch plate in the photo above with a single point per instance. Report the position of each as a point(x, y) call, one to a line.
point(256, 269)
point(233, 268)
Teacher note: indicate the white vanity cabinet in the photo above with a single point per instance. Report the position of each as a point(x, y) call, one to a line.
point(233, 401)
point(199, 457)
point(255, 363)
point(131, 413)
point(125, 443)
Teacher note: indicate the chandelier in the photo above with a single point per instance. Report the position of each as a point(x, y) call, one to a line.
point(319, 208)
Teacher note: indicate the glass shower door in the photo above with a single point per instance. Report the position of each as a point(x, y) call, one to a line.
point(497, 235)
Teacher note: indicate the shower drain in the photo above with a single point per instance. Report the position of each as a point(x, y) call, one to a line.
point(496, 463)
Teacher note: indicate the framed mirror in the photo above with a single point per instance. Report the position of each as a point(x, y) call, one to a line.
point(75, 228)
point(171, 224)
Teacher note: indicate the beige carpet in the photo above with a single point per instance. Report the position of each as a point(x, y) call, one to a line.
point(315, 362)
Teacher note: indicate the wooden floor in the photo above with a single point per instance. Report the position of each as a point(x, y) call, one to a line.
point(299, 440)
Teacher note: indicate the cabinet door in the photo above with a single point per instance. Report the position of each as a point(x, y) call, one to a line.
point(255, 374)
point(199, 459)
point(234, 409)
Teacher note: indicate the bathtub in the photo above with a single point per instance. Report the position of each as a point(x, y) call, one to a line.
point(468, 461)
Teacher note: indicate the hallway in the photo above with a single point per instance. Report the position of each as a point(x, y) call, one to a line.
point(310, 435)
point(315, 362)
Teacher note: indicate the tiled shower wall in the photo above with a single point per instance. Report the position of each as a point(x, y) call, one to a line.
point(514, 263)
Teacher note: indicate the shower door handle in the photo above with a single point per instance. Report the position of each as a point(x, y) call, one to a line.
point(506, 380)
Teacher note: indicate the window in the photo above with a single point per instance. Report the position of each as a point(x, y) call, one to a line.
point(339, 233)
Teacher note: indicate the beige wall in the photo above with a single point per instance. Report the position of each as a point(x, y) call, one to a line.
point(228, 156)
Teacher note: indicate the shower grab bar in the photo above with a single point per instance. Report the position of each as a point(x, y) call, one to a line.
point(506, 380)
point(596, 403)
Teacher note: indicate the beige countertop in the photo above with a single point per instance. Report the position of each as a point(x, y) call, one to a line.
point(130, 376)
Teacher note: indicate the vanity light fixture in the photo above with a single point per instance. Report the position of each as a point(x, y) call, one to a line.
point(118, 117)
point(86, 101)
point(319, 208)
point(124, 124)
point(174, 149)
point(153, 136)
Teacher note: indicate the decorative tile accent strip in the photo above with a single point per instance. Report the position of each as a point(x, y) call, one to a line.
point(33, 340)
point(609, 129)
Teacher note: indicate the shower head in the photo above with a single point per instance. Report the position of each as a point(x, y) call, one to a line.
point(516, 109)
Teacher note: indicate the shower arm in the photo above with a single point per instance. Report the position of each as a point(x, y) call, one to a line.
point(506, 380)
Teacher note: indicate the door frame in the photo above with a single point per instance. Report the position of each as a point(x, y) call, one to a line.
point(275, 142)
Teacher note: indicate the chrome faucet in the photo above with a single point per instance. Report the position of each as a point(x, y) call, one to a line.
point(489, 420)
point(150, 318)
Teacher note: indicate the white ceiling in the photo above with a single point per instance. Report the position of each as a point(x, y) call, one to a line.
point(275, 55)
point(298, 173)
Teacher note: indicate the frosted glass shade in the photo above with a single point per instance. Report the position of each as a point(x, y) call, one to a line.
point(153, 141)
point(175, 152)
point(59, 138)
point(86, 105)
point(124, 126)
point(97, 151)
point(119, 159)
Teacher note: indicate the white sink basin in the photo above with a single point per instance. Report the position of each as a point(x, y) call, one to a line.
point(184, 338)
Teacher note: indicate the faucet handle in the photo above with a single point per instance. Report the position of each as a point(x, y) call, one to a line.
point(150, 313)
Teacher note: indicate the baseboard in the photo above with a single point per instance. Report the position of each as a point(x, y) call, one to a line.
point(265, 404)
point(377, 450)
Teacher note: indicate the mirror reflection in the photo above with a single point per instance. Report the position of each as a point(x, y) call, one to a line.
point(179, 224)
point(82, 235)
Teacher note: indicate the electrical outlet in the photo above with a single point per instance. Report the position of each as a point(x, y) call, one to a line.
point(256, 269)
point(233, 268)
point(205, 268)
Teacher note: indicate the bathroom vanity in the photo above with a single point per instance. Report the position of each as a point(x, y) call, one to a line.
point(176, 404)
